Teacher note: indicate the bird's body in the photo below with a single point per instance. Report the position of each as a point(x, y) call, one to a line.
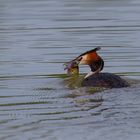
point(107, 80)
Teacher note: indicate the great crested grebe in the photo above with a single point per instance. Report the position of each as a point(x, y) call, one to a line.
point(95, 77)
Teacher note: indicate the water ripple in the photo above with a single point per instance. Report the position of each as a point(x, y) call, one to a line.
point(36, 38)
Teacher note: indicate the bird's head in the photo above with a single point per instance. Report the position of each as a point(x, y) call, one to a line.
point(90, 58)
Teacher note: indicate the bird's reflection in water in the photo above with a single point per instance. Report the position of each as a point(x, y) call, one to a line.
point(89, 97)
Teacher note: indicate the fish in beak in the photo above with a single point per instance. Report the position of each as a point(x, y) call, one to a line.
point(72, 67)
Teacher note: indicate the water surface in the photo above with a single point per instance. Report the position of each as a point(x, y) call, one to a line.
point(36, 38)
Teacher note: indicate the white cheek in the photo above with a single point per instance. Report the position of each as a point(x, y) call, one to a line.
point(84, 59)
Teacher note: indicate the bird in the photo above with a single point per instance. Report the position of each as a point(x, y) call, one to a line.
point(95, 78)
